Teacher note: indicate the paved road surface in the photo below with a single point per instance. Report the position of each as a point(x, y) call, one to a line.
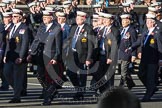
point(64, 98)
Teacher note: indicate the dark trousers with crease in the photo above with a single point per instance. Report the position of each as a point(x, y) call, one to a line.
point(148, 74)
point(14, 74)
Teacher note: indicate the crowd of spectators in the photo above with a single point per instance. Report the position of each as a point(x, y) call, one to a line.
point(89, 2)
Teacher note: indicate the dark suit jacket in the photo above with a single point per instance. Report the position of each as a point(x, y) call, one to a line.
point(152, 50)
point(84, 45)
point(21, 37)
point(53, 42)
point(2, 35)
point(6, 38)
point(2, 41)
point(111, 43)
point(65, 31)
point(126, 43)
point(116, 34)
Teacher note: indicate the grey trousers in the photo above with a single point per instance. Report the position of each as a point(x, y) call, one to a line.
point(14, 74)
point(124, 69)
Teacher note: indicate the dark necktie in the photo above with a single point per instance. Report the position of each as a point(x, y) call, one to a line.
point(146, 37)
point(103, 39)
point(75, 37)
point(122, 34)
point(12, 33)
point(77, 31)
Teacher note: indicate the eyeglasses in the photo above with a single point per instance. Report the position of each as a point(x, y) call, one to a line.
point(15, 16)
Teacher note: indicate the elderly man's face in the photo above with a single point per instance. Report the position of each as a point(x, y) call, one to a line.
point(125, 22)
point(16, 18)
point(61, 20)
point(150, 23)
point(80, 20)
point(47, 19)
point(107, 21)
point(100, 21)
point(7, 20)
point(95, 23)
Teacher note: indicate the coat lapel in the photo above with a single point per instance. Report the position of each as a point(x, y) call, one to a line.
point(17, 32)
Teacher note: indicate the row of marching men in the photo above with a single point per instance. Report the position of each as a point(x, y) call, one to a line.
point(83, 47)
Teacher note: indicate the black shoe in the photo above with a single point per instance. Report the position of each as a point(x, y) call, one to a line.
point(3, 88)
point(78, 97)
point(121, 84)
point(15, 100)
point(54, 95)
point(23, 93)
point(148, 95)
point(47, 102)
point(155, 89)
point(153, 92)
point(146, 99)
point(41, 96)
point(130, 86)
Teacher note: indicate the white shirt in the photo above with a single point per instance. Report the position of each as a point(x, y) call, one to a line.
point(7, 26)
point(48, 26)
point(103, 44)
point(101, 27)
point(161, 20)
point(125, 31)
point(17, 25)
point(81, 26)
point(108, 28)
point(150, 31)
point(76, 37)
point(62, 25)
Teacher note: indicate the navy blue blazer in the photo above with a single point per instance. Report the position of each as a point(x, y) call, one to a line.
point(126, 43)
point(21, 37)
point(152, 49)
point(65, 31)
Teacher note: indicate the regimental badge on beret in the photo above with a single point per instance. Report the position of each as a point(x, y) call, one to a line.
point(152, 41)
point(109, 42)
point(84, 40)
point(17, 39)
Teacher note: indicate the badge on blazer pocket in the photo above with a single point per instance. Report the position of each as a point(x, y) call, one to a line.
point(22, 31)
point(109, 41)
point(84, 40)
point(152, 41)
point(17, 39)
